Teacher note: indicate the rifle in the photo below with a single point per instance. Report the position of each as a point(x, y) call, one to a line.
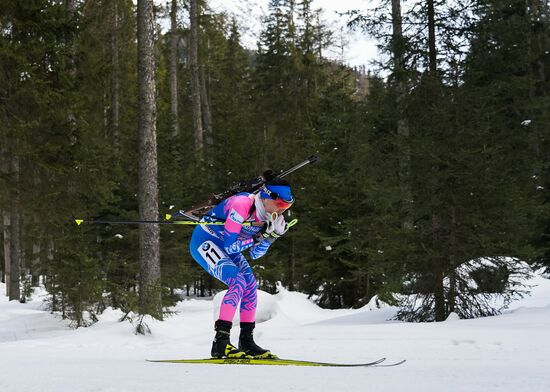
point(251, 186)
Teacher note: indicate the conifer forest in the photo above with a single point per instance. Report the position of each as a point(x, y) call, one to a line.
point(432, 190)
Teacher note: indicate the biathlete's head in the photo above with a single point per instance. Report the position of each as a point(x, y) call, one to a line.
point(276, 196)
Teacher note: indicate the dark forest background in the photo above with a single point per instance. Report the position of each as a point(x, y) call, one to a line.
point(434, 173)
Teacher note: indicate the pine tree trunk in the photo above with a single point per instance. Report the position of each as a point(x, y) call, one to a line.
point(437, 271)
point(439, 276)
point(15, 255)
point(149, 235)
point(36, 246)
point(15, 238)
point(439, 295)
point(402, 123)
point(4, 171)
point(535, 13)
point(432, 53)
point(35, 264)
point(2, 278)
point(172, 71)
point(115, 78)
point(50, 280)
point(205, 108)
point(71, 6)
point(451, 296)
point(7, 249)
point(24, 265)
point(195, 82)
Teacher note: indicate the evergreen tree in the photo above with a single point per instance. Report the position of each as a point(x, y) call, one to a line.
point(149, 235)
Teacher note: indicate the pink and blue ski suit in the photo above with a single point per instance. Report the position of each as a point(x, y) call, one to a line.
point(218, 250)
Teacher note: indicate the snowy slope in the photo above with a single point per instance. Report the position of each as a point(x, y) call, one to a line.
point(38, 352)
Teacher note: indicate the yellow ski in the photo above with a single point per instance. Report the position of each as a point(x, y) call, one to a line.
point(272, 361)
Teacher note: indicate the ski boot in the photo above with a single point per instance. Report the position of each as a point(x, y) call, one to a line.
point(247, 344)
point(222, 347)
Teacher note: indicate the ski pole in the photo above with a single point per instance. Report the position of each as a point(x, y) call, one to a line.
point(144, 222)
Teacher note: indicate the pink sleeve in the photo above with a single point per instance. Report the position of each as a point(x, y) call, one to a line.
point(236, 213)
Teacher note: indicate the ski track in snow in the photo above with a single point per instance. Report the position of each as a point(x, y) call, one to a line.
point(39, 352)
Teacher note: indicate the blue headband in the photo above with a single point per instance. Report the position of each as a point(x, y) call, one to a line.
point(282, 191)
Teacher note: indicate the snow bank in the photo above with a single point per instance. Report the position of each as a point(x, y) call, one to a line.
point(39, 353)
point(266, 309)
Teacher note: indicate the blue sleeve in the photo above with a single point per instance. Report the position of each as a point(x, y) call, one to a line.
point(260, 248)
point(232, 244)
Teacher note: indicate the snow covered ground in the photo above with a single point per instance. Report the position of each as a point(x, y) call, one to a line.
point(511, 352)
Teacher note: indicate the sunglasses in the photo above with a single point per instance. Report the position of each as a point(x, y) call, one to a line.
point(282, 204)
